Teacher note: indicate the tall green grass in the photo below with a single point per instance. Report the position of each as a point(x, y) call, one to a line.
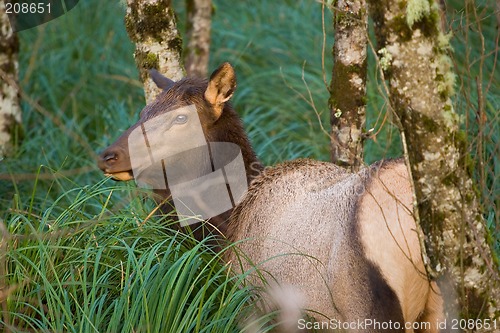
point(88, 267)
point(83, 254)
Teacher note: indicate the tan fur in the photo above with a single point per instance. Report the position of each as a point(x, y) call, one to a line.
point(389, 233)
point(298, 222)
point(272, 230)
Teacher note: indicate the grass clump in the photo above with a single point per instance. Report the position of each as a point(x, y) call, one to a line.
point(88, 267)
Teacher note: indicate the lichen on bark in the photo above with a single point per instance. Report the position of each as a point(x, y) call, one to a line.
point(347, 101)
point(152, 26)
point(457, 243)
point(10, 111)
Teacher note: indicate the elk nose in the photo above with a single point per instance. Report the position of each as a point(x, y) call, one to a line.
point(108, 159)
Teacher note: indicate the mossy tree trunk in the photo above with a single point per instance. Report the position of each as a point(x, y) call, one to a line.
point(348, 86)
point(414, 56)
point(10, 111)
point(151, 25)
point(199, 21)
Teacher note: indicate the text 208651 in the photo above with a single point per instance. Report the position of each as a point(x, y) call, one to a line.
point(25, 8)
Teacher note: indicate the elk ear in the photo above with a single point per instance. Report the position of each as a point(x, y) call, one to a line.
point(221, 87)
point(161, 81)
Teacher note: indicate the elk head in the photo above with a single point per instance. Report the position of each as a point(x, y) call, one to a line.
point(218, 120)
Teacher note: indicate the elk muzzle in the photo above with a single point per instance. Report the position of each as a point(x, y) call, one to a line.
point(115, 163)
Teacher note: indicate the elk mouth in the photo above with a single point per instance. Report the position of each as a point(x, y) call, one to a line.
point(120, 175)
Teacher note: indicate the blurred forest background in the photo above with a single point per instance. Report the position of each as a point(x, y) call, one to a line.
point(82, 253)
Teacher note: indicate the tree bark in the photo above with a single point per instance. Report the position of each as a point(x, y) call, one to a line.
point(413, 53)
point(10, 111)
point(151, 25)
point(199, 21)
point(348, 86)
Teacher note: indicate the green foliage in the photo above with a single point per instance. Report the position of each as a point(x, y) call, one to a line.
point(89, 267)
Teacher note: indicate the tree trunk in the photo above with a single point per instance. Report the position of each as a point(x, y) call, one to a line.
point(10, 111)
point(413, 54)
point(348, 86)
point(199, 20)
point(152, 27)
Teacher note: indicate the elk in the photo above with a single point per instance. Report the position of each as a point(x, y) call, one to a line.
point(346, 241)
point(219, 121)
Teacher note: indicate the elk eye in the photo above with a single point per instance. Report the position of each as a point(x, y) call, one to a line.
point(181, 119)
